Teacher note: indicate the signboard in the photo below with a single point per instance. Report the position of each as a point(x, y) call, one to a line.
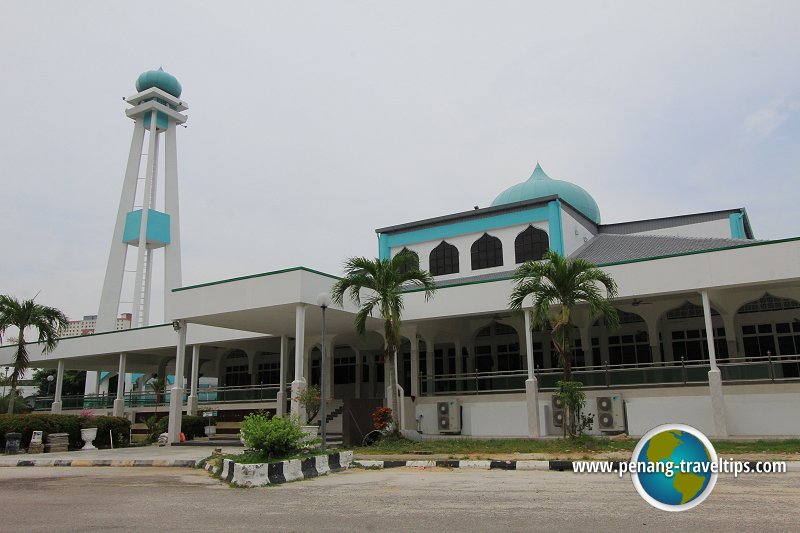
point(36, 437)
point(209, 413)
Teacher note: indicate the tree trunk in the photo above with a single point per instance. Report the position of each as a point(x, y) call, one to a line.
point(391, 386)
point(11, 397)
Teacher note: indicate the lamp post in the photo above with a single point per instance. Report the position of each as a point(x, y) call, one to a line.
point(50, 379)
point(323, 300)
point(5, 380)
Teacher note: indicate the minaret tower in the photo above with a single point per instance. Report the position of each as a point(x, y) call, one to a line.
point(155, 109)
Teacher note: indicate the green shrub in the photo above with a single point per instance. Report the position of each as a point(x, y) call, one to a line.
point(193, 426)
point(47, 423)
point(156, 426)
point(118, 426)
point(274, 437)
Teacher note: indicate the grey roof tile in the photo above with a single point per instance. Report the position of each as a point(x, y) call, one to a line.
point(608, 248)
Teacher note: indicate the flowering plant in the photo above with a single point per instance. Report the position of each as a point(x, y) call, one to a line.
point(86, 418)
point(382, 418)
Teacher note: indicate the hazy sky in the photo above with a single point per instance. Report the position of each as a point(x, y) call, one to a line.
point(313, 123)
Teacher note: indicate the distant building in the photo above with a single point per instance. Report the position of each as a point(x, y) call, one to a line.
point(87, 326)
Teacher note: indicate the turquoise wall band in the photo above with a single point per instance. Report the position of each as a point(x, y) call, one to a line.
point(737, 226)
point(157, 227)
point(162, 120)
point(554, 222)
point(478, 225)
point(384, 250)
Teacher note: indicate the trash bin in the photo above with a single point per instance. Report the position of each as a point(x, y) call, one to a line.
point(12, 443)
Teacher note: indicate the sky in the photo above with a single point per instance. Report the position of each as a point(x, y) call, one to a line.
point(313, 123)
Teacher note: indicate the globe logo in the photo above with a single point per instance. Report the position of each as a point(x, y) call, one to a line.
point(674, 467)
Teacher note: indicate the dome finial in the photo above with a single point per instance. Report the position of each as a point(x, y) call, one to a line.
point(539, 173)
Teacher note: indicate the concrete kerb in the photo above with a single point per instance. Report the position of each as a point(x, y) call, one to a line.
point(260, 474)
point(552, 465)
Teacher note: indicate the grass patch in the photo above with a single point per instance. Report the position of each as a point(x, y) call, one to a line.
point(757, 446)
point(488, 447)
point(585, 445)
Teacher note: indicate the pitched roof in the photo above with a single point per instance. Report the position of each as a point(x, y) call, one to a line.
point(608, 248)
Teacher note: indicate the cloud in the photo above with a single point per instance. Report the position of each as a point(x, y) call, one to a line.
point(762, 123)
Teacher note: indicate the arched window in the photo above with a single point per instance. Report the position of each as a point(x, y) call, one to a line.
point(487, 252)
point(237, 368)
point(444, 259)
point(405, 267)
point(530, 245)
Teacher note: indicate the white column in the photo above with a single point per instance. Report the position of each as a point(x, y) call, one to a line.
point(729, 322)
point(359, 372)
point(152, 168)
point(281, 397)
point(652, 336)
point(430, 366)
point(56, 407)
point(119, 401)
point(714, 376)
point(191, 404)
point(115, 269)
point(176, 393)
point(471, 357)
point(172, 251)
point(531, 384)
point(148, 282)
point(299, 350)
point(414, 366)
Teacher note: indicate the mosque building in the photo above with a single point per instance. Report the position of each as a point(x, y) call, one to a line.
point(709, 333)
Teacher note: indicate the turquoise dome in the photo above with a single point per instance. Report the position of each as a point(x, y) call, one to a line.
point(540, 185)
point(160, 79)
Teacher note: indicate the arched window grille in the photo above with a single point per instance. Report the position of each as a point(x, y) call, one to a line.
point(444, 259)
point(531, 245)
point(487, 252)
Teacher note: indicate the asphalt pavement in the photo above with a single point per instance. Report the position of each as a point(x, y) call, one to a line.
point(50, 499)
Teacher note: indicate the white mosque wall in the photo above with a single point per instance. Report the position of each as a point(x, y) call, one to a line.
point(464, 242)
point(752, 410)
point(129, 340)
point(574, 233)
point(738, 267)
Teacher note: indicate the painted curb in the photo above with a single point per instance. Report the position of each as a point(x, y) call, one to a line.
point(552, 465)
point(260, 474)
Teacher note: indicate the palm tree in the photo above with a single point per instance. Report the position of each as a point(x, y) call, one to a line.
point(159, 385)
point(557, 285)
point(383, 282)
point(48, 321)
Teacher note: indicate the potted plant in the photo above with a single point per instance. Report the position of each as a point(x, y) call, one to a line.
point(88, 428)
point(309, 398)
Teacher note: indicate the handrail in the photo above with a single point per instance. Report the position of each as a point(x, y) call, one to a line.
point(667, 373)
point(206, 395)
